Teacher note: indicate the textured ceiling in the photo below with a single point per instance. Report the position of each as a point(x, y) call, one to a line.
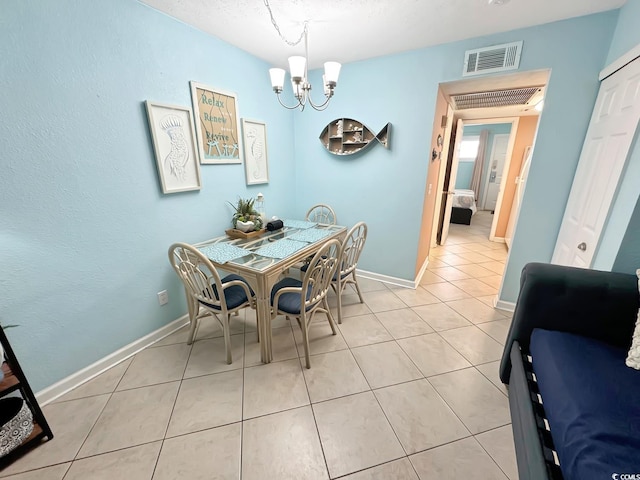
point(351, 30)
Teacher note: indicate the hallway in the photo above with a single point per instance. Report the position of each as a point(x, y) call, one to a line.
point(468, 262)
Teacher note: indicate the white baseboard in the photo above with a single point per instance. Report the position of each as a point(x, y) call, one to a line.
point(503, 305)
point(498, 240)
point(401, 282)
point(49, 394)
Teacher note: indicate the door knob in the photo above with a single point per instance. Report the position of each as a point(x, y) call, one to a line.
point(582, 246)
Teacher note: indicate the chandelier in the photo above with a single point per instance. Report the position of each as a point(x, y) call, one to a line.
point(299, 73)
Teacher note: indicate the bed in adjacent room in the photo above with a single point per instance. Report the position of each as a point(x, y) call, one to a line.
point(463, 206)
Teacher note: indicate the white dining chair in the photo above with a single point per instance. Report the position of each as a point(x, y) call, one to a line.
point(348, 261)
point(302, 299)
point(208, 294)
point(322, 214)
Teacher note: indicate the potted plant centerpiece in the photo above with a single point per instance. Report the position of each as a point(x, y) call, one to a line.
point(245, 217)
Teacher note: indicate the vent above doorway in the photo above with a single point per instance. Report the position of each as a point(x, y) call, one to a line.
point(498, 58)
point(498, 98)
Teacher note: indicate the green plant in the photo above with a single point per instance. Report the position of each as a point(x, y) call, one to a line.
point(244, 212)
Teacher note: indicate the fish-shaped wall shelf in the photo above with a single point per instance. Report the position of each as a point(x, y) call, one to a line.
point(346, 136)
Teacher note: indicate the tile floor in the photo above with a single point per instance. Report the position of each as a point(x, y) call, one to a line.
point(407, 389)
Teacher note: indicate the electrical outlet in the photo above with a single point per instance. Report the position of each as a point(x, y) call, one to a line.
point(163, 297)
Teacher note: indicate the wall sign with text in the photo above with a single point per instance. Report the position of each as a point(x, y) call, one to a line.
point(217, 124)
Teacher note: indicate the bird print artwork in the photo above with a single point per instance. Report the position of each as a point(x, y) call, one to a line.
point(178, 157)
point(346, 136)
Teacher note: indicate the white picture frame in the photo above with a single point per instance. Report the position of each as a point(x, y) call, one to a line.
point(256, 161)
point(174, 145)
point(217, 124)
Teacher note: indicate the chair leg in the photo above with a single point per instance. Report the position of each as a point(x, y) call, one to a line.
point(305, 340)
point(227, 337)
point(332, 323)
point(355, 282)
point(193, 309)
point(192, 331)
point(339, 295)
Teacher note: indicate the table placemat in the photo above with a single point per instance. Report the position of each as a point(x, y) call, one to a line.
point(310, 235)
point(223, 252)
point(298, 224)
point(280, 249)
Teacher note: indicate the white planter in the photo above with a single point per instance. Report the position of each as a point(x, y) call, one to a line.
point(245, 226)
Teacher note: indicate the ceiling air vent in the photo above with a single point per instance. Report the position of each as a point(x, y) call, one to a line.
point(498, 98)
point(498, 58)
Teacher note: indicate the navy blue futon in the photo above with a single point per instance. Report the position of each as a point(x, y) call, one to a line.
point(592, 402)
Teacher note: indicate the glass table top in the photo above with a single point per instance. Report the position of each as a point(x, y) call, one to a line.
point(270, 248)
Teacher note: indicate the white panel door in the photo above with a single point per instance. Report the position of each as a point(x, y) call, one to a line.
point(448, 195)
point(604, 153)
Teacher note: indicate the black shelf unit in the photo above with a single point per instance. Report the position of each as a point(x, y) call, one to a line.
point(14, 380)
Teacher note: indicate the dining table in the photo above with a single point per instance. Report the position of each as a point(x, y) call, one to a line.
point(262, 260)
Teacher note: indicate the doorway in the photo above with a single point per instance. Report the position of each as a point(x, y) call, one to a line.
point(483, 239)
point(478, 171)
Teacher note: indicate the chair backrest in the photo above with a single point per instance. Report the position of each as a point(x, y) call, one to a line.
point(322, 268)
point(199, 276)
point(322, 214)
point(352, 248)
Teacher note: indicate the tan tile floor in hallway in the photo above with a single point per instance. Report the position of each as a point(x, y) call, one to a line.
point(407, 389)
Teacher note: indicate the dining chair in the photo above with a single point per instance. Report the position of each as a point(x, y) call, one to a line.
point(350, 251)
point(322, 214)
point(302, 299)
point(207, 294)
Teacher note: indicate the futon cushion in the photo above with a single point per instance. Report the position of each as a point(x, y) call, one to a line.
point(235, 295)
point(289, 302)
point(592, 402)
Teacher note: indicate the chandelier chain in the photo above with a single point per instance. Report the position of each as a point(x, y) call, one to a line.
point(275, 25)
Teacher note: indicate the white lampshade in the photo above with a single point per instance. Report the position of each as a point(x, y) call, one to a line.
point(331, 72)
point(296, 68)
point(277, 78)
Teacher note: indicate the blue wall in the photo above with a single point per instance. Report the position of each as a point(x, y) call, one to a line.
point(85, 227)
point(628, 259)
point(494, 129)
point(464, 175)
point(627, 34)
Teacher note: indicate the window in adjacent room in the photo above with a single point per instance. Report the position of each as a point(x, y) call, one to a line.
point(469, 148)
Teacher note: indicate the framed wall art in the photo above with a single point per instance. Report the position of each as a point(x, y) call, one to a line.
point(174, 144)
point(217, 124)
point(254, 138)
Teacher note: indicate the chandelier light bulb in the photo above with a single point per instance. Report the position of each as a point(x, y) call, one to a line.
point(331, 73)
point(297, 66)
point(277, 78)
